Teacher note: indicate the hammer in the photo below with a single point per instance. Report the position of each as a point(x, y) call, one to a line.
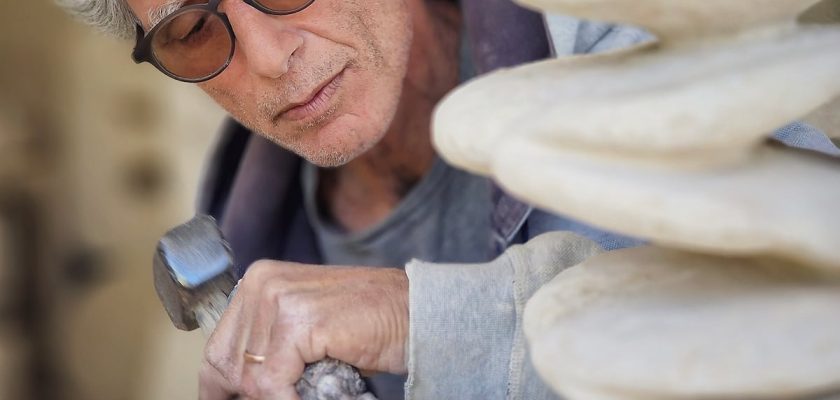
point(193, 274)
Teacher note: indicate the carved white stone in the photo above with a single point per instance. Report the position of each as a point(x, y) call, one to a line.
point(682, 18)
point(775, 201)
point(666, 141)
point(469, 123)
point(716, 98)
point(652, 323)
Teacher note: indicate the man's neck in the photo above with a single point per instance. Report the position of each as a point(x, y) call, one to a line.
point(366, 190)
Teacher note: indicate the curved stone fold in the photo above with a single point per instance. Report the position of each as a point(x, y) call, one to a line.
point(653, 323)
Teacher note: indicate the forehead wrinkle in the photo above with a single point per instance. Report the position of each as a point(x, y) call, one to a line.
point(162, 11)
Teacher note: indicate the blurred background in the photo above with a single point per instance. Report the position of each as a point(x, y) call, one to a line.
point(98, 158)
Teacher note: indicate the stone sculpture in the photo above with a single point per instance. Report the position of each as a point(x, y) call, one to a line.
point(739, 295)
point(652, 323)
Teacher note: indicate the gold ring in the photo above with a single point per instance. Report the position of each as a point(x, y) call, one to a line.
point(253, 358)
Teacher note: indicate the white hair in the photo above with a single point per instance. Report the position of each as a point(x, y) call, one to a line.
point(113, 17)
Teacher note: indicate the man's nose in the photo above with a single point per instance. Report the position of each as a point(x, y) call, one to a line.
point(265, 45)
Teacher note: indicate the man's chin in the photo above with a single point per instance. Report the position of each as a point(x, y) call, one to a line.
point(338, 143)
point(330, 160)
point(334, 144)
point(330, 155)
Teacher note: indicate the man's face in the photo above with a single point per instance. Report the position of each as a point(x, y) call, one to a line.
point(324, 83)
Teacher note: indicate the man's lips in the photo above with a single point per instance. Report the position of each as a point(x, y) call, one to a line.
point(317, 102)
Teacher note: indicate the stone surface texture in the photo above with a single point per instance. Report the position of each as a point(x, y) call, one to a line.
point(332, 380)
point(677, 20)
point(738, 296)
point(659, 323)
point(773, 201)
point(708, 98)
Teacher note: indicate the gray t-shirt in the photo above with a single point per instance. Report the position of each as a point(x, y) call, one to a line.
point(446, 217)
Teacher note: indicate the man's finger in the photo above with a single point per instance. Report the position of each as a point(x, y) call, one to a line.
point(212, 385)
point(264, 307)
point(276, 378)
point(225, 349)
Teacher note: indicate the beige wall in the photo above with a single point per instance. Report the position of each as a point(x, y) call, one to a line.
point(106, 155)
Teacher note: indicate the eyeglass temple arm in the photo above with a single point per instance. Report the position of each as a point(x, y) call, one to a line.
point(138, 55)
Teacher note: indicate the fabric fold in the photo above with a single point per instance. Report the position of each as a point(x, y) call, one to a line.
point(465, 337)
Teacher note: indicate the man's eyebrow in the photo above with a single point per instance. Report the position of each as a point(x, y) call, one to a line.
point(162, 11)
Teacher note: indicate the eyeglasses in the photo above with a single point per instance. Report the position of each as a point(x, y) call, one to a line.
point(196, 43)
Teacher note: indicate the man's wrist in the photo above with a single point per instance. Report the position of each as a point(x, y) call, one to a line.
point(400, 287)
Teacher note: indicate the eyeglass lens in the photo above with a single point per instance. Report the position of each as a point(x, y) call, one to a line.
point(282, 6)
point(196, 44)
point(193, 45)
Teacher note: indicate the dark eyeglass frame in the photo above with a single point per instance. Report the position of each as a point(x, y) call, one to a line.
point(143, 48)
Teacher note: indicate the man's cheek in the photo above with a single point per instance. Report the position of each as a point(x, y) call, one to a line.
point(234, 105)
point(222, 97)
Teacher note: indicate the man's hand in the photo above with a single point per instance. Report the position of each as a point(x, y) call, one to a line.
point(297, 314)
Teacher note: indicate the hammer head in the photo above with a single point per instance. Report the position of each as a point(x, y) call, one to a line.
point(193, 271)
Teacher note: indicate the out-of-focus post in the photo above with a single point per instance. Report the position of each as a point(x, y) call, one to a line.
point(101, 156)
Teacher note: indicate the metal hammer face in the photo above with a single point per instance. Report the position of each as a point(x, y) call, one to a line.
point(193, 273)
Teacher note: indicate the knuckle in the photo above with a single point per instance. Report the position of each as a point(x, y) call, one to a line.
point(269, 299)
point(220, 360)
point(276, 291)
point(256, 270)
point(263, 267)
point(257, 274)
point(261, 272)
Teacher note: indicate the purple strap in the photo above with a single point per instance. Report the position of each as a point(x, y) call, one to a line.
point(502, 34)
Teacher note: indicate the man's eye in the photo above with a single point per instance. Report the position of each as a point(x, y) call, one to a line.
point(195, 31)
point(184, 30)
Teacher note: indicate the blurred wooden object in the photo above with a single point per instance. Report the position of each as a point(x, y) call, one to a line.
point(108, 155)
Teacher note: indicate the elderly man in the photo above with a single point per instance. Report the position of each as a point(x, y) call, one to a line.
point(342, 172)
